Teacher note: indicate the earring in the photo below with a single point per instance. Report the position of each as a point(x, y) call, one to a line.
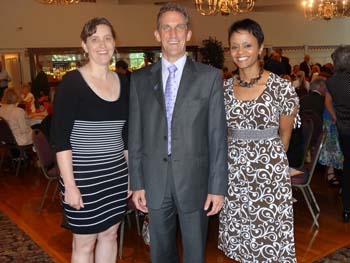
point(86, 55)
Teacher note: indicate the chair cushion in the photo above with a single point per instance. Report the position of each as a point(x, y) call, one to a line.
point(301, 178)
point(53, 172)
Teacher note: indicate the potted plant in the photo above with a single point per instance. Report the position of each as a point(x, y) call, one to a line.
point(212, 52)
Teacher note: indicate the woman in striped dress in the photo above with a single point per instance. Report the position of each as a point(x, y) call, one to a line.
point(90, 115)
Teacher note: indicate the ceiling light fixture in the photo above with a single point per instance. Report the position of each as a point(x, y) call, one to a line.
point(326, 9)
point(65, 2)
point(225, 7)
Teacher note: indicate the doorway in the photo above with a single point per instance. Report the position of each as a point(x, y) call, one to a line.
point(12, 65)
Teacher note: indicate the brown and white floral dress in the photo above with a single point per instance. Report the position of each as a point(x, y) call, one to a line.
point(256, 222)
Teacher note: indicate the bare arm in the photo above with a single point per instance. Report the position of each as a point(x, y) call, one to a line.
point(126, 155)
point(329, 106)
point(72, 194)
point(286, 127)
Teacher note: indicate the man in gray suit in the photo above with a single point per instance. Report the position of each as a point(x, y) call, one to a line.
point(177, 143)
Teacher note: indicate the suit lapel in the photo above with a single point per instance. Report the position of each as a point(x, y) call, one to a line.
point(157, 84)
point(188, 75)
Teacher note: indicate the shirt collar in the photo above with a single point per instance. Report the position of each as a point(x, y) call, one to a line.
point(180, 63)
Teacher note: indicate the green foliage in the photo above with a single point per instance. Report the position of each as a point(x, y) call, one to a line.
point(212, 52)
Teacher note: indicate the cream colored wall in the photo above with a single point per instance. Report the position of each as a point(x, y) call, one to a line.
point(28, 24)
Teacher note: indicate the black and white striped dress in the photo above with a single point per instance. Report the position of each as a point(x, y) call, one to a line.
point(95, 131)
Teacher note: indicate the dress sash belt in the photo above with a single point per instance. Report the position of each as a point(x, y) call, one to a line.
point(254, 135)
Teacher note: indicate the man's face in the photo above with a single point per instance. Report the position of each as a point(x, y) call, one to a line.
point(173, 34)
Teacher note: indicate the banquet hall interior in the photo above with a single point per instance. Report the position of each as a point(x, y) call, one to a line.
point(37, 33)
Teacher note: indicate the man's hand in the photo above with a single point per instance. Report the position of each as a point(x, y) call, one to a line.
point(139, 199)
point(216, 202)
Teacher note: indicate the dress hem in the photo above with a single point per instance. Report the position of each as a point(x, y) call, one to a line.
point(99, 229)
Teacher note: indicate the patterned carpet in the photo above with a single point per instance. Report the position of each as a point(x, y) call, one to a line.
point(16, 246)
point(340, 256)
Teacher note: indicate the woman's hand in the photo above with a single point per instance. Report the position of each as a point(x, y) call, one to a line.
point(129, 193)
point(73, 197)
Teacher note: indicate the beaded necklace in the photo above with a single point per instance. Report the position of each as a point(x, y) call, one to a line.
point(245, 84)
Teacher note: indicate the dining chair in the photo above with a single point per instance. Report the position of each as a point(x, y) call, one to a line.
point(47, 163)
point(303, 180)
point(317, 125)
point(130, 209)
point(307, 130)
point(9, 143)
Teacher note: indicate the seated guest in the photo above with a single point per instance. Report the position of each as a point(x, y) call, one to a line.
point(295, 70)
point(275, 65)
point(315, 99)
point(15, 117)
point(312, 106)
point(44, 104)
point(315, 71)
point(28, 99)
point(300, 84)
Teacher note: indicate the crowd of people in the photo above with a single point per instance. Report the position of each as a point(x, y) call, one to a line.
point(323, 91)
point(186, 141)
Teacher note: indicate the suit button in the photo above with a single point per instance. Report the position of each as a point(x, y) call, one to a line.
point(165, 159)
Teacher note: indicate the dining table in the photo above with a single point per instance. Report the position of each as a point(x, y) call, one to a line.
point(36, 118)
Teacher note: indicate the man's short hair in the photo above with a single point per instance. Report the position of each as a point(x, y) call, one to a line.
point(317, 84)
point(176, 8)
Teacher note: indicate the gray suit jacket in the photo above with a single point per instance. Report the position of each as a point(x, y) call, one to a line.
point(199, 143)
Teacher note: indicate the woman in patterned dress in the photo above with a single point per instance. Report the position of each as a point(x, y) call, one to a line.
point(90, 115)
point(331, 155)
point(256, 223)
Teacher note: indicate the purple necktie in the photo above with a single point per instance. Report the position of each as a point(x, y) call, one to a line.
point(170, 97)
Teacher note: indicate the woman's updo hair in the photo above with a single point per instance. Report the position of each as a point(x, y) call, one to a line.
point(10, 96)
point(91, 26)
point(247, 25)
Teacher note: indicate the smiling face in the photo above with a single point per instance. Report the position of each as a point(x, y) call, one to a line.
point(173, 34)
point(100, 45)
point(244, 49)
